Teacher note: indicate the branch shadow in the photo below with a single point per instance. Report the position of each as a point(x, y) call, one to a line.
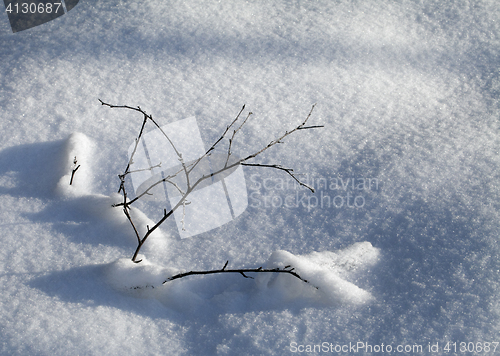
point(28, 170)
point(85, 285)
point(90, 219)
point(34, 170)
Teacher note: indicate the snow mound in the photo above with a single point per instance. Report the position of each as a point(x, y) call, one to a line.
point(327, 271)
point(77, 154)
point(137, 279)
point(95, 209)
point(327, 274)
point(349, 261)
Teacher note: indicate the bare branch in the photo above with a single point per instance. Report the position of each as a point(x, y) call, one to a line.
point(145, 169)
point(190, 186)
point(131, 160)
point(74, 171)
point(146, 117)
point(241, 271)
point(131, 222)
point(232, 137)
point(179, 154)
point(225, 132)
point(278, 140)
point(217, 141)
point(288, 170)
point(310, 127)
point(146, 192)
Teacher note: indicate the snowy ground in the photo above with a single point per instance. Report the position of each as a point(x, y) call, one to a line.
point(408, 93)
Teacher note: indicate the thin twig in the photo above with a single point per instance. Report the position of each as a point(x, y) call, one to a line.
point(232, 138)
point(272, 143)
point(73, 174)
point(148, 117)
point(241, 271)
point(74, 170)
point(218, 140)
point(310, 127)
point(146, 192)
point(288, 170)
point(145, 169)
point(131, 222)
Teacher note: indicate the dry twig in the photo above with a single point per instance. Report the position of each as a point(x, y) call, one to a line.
point(191, 185)
point(242, 271)
point(74, 171)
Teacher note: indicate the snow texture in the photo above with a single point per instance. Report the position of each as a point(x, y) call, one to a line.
point(401, 237)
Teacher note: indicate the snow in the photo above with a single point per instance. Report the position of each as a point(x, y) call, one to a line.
point(78, 149)
point(322, 270)
point(408, 94)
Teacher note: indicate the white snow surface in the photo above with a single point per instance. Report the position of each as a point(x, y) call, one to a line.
point(408, 93)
